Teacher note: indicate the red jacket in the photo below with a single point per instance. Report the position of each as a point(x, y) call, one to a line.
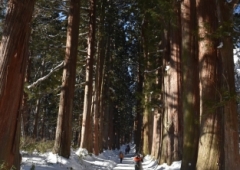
point(137, 159)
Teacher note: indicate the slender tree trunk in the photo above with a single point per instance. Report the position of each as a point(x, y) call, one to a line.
point(98, 82)
point(190, 88)
point(37, 108)
point(139, 118)
point(146, 93)
point(107, 138)
point(63, 138)
point(156, 133)
point(175, 45)
point(165, 122)
point(36, 118)
point(98, 93)
point(25, 108)
point(86, 139)
point(110, 126)
point(14, 54)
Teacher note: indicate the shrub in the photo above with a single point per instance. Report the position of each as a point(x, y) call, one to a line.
point(30, 145)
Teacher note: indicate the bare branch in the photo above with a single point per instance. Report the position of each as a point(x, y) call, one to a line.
point(150, 71)
point(46, 76)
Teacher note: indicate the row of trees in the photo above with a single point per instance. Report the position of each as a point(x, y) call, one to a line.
point(158, 72)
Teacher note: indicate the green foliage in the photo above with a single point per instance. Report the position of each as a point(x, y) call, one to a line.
point(4, 166)
point(29, 144)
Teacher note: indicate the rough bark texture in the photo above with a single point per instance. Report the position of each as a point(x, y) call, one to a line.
point(209, 139)
point(86, 139)
point(63, 139)
point(146, 87)
point(14, 54)
point(165, 122)
point(174, 89)
point(231, 152)
point(190, 97)
point(98, 86)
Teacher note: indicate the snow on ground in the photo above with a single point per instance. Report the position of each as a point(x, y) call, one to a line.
point(81, 160)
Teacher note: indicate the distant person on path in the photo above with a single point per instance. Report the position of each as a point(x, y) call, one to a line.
point(127, 149)
point(137, 159)
point(121, 156)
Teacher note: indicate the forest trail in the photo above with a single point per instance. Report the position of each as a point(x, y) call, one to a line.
point(127, 163)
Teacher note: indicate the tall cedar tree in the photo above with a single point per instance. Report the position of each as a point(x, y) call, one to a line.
point(165, 140)
point(231, 156)
point(138, 118)
point(14, 55)
point(209, 139)
point(98, 115)
point(172, 93)
point(190, 97)
point(86, 134)
point(63, 138)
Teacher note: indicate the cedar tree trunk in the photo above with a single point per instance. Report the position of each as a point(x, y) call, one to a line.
point(63, 138)
point(14, 54)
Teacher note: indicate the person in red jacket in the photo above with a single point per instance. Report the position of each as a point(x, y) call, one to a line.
point(137, 159)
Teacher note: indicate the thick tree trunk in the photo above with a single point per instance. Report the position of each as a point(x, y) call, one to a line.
point(172, 93)
point(63, 138)
point(86, 139)
point(14, 54)
point(231, 152)
point(209, 139)
point(190, 88)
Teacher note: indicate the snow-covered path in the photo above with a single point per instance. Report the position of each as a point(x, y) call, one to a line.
point(127, 163)
point(107, 160)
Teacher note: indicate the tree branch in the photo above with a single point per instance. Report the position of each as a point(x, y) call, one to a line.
point(46, 76)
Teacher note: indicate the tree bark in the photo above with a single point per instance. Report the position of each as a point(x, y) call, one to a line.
point(231, 152)
point(98, 84)
point(190, 87)
point(172, 102)
point(210, 121)
point(14, 54)
point(86, 139)
point(146, 87)
point(138, 120)
point(63, 138)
